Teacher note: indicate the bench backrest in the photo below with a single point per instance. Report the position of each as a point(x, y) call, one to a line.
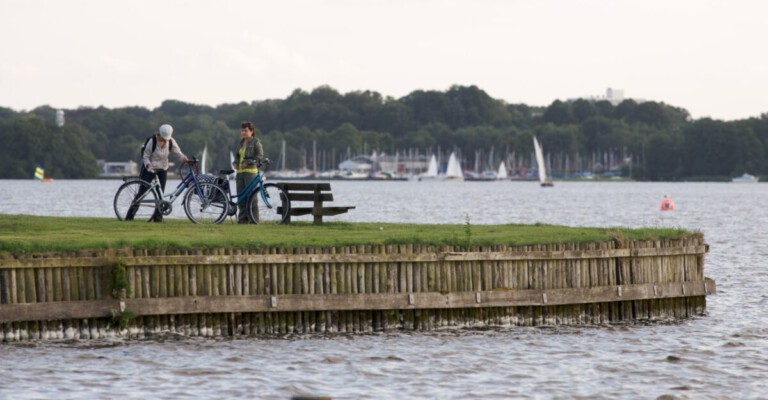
point(306, 191)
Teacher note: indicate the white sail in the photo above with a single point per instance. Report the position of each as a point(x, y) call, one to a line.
point(502, 173)
point(431, 168)
point(540, 161)
point(203, 162)
point(453, 171)
point(232, 163)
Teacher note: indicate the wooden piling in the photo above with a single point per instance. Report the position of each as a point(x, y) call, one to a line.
point(351, 289)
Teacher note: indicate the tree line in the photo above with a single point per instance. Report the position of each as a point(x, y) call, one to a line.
point(650, 140)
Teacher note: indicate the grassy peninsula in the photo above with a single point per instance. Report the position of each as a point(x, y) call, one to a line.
point(21, 234)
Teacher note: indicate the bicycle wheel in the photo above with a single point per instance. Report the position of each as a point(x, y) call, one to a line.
point(135, 201)
point(207, 206)
point(274, 211)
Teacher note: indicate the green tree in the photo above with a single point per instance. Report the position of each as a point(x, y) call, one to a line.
point(394, 117)
point(656, 115)
point(600, 134)
point(266, 115)
point(177, 109)
point(604, 108)
point(474, 107)
point(30, 142)
point(583, 110)
point(559, 139)
point(558, 113)
point(7, 113)
point(663, 157)
point(430, 107)
point(346, 136)
point(717, 148)
point(624, 109)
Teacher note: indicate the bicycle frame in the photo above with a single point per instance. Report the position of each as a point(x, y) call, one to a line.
point(256, 184)
point(170, 198)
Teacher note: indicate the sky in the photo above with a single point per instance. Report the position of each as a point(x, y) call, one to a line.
point(708, 57)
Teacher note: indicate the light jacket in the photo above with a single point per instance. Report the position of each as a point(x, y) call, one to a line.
point(158, 159)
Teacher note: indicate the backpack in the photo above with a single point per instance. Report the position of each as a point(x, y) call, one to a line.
point(154, 146)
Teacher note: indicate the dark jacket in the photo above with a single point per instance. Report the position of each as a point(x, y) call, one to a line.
point(253, 150)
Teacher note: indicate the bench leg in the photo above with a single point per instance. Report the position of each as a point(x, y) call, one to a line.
point(317, 211)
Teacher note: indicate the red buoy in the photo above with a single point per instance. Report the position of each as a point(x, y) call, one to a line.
point(667, 204)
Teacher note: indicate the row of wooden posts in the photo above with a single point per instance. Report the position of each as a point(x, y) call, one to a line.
point(276, 291)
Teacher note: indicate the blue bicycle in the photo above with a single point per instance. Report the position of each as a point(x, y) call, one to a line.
point(204, 202)
point(266, 203)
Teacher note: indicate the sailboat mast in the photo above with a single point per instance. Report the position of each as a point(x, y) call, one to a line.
point(314, 156)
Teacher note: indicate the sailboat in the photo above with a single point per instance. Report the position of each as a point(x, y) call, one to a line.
point(284, 173)
point(232, 163)
point(203, 167)
point(453, 172)
point(501, 174)
point(745, 178)
point(431, 169)
point(40, 175)
point(542, 168)
point(488, 174)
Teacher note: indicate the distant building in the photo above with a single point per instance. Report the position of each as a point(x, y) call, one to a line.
point(613, 96)
point(362, 164)
point(403, 164)
point(395, 165)
point(60, 118)
point(113, 169)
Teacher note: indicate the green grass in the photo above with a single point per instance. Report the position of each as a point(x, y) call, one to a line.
point(21, 234)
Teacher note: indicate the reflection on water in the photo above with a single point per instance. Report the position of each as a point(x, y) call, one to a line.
point(724, 354)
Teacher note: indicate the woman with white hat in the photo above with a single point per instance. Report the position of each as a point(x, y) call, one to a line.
point(154, 157)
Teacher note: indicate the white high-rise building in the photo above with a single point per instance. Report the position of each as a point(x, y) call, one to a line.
point(60, 118)
point(615, 96)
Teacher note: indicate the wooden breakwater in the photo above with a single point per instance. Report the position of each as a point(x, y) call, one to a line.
point(234, 292)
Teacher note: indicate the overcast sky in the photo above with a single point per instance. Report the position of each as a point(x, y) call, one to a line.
point(709, 57)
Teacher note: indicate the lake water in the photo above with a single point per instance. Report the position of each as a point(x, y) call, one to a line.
point(721, 355)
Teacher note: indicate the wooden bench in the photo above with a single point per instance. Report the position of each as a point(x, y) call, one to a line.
point(317, 193)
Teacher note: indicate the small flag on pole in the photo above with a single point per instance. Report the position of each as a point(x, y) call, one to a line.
point(39, 173)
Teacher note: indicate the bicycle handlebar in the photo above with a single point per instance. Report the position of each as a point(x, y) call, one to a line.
point(259, 164)
point(192, 162)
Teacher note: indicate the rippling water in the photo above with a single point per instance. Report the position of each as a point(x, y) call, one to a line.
point(722, 355)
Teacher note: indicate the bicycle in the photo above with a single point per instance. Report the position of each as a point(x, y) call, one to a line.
point(205, 203)
point(266, 203)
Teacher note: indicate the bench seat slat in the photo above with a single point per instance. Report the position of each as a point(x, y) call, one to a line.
point(304, 186)
point(325, 211)
point(293, 196)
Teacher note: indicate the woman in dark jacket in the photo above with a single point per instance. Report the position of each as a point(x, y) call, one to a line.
point(248, 155)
